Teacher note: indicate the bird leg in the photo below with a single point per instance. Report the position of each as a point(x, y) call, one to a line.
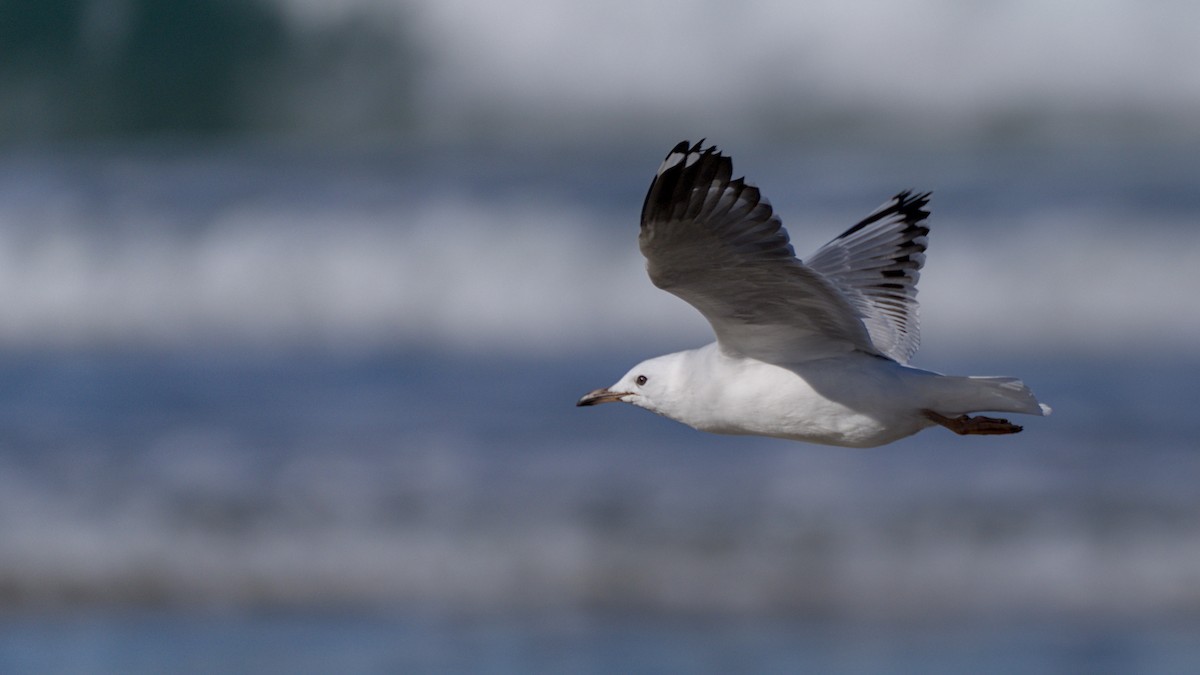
point(984, 426)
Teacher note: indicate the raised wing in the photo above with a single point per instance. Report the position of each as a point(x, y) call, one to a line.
point(716, 243)
point(876, 265)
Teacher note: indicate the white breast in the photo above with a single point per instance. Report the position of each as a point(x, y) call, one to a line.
point(854, 400)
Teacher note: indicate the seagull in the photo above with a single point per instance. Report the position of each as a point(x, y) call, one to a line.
point(812, 351)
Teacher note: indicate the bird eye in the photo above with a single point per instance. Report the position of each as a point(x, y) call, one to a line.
point(641, 379)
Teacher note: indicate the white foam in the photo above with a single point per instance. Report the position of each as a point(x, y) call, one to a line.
point(1063, 282)
point(431, 524)
point(519, 275)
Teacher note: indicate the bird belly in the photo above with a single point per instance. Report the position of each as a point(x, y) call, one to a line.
point(846, 402)
point(817, 420)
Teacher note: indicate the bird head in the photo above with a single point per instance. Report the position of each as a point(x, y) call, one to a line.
point(645, 385)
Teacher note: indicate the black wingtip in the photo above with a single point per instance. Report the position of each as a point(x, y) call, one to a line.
point(908, 205)
point(685, 146)
point(687, 166)
point(913, 198)
point(911, 206)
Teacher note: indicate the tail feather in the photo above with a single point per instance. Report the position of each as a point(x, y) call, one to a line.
point(989, 394)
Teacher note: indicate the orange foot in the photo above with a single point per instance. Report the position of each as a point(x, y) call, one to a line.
point(983, 426)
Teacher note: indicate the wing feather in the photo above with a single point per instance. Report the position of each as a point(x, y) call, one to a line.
point(716, 243)
point(876, 265)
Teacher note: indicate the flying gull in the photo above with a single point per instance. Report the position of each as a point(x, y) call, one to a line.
point(811, 351)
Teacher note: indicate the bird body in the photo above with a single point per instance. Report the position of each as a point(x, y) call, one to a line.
point(853, 400)
point(812, 352)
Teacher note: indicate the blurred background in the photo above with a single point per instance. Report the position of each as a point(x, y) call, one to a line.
point(297, 298)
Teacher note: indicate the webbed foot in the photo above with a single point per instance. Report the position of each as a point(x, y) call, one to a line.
point(980, 425)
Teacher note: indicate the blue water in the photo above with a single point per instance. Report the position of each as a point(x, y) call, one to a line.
point(338, 642)
point(273, 412)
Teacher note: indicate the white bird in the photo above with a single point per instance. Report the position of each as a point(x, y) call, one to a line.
point(810, 351)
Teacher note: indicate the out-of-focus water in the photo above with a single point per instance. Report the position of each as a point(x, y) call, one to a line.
point(1078, 249)
point(543, 70)
point(140, 643)
point(265, 411)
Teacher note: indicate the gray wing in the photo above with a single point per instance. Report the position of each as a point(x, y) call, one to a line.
point(876, 265)
point(716, 243)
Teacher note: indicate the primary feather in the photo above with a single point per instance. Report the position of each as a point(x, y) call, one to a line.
point(876, 265)
point(717, 243)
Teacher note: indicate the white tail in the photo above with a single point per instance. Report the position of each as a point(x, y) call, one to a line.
point(988, 394)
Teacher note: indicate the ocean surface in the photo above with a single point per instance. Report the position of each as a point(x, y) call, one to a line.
point(268, 410)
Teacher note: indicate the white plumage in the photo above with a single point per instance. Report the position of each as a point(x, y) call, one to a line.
point(812, 352)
